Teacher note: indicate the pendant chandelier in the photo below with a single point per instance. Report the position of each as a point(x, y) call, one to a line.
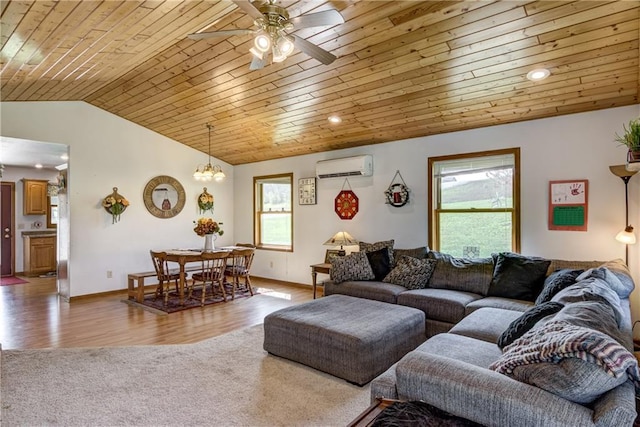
point(209, 172)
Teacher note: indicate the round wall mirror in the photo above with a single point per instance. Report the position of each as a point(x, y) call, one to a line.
point(164, 197)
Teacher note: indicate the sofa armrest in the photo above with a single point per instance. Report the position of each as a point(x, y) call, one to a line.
point(482, 395)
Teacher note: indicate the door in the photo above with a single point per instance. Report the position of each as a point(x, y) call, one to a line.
point(7, 200)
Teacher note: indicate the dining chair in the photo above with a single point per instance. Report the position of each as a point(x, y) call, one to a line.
point(164, 275)
point(239, 268)
point(212, 274)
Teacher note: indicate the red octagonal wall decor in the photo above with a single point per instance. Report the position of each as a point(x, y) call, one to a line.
point(346, 204)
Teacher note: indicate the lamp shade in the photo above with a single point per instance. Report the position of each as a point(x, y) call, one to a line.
point(626, 236)
point(341, 238)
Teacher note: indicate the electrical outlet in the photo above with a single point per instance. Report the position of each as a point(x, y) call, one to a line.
point(109, 274)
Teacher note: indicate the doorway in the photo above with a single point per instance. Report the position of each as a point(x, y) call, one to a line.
point(7, 221)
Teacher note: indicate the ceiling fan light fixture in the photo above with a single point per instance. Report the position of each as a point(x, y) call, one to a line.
point(262, 42)
point(285, 45)
point(257, 53)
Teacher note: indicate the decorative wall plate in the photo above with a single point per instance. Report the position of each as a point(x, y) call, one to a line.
point(164, 197)
point(346, 204)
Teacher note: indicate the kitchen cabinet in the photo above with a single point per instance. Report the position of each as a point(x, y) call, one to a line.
point(40, 254)
point(35, 197)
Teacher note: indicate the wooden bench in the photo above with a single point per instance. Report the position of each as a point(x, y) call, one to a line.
point(135, 281)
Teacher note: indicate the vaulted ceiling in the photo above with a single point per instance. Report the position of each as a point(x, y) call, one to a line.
point(403, 69)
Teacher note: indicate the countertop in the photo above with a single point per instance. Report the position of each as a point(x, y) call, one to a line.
point(40, 233)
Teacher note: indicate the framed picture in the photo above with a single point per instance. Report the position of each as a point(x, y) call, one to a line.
point(332, 253)
point(307, 191)
point(568, 205)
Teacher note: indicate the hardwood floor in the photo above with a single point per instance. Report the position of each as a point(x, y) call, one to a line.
point(33, 316)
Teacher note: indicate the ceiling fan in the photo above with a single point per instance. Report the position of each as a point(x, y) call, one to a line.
point(271, 39)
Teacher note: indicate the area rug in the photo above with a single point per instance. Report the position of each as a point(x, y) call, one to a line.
point(173, 302)
point(227, 380)
point(11, 280)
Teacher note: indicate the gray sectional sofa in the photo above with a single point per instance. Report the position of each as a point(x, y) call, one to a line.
point(504, 361)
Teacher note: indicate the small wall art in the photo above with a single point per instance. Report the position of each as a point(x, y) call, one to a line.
point(568, 205)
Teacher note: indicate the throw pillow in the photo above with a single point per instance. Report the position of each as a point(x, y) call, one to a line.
point(379, 261)
point(524, 323)
point(412, 273)
point(573, 362)
point(461, 274)
point(612, 280)
point(555, 282)
point(354, 266)
point(518, 277)
point(372, 247)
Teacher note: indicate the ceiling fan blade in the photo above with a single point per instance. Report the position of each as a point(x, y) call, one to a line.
point(221, 33)
point(249, 8)
point(318, 19)
point(256, 63)
point(312, 50)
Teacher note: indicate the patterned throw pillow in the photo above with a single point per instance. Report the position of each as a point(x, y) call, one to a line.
point(372, 247)
point(555, 282)
point(412, 273)
point(354, 266)
point(528, 320)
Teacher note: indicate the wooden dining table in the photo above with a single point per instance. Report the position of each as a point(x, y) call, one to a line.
point(186, 256)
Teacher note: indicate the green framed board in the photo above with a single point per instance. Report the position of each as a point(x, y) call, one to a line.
point(568, 205)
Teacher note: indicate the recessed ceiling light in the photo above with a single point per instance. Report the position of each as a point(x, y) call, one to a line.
point(38, 166)
point(538, 74)
point(334, 119)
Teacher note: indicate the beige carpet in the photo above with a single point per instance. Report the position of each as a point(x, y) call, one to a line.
point(225, 381)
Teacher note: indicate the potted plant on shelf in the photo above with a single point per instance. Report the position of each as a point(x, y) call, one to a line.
point(631, 139)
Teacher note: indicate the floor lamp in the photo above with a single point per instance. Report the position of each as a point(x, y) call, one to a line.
point(626, 236)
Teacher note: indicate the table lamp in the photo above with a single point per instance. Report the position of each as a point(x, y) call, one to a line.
point(341, 238)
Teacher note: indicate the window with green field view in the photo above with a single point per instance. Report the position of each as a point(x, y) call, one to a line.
point(274, 212)
point(474, 200)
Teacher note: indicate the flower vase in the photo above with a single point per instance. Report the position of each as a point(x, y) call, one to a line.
point(209, 243)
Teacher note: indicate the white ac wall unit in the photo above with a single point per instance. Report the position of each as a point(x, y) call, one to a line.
point(346, 166)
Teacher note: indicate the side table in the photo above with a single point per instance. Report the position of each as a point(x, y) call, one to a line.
point(324, 268)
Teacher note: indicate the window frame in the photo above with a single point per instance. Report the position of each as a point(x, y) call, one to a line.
point(433, 191)
point(257, 205)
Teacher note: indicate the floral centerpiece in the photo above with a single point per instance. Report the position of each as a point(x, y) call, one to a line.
point(205, 201)
point(115, 204)
point(206, 226)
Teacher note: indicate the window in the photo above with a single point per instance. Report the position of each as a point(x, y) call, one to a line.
point(273, 228)
point(475, 203)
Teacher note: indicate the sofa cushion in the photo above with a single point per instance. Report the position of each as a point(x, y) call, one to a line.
point(573, 362)
point(354, 266)
point(371, 247)
point(517, 276)
point(459, 347)
point(438, 304)
point(555, 282)
point(461, 274)
point(485, 324)
point(497, 302)
point(379, 261)
point(412, 273)
point(378, 291)
point(420, 253)
point(526, 321)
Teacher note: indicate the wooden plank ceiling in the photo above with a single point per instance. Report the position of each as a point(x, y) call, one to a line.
point(404, 68)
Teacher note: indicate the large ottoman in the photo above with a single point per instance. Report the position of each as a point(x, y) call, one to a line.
point(352, 338)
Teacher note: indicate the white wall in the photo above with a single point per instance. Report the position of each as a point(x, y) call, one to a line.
point(576, 146)
point(25, 222)
point(107, 151)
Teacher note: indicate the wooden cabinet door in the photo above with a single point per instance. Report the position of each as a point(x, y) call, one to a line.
point(40, 255)
point(35, 197)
